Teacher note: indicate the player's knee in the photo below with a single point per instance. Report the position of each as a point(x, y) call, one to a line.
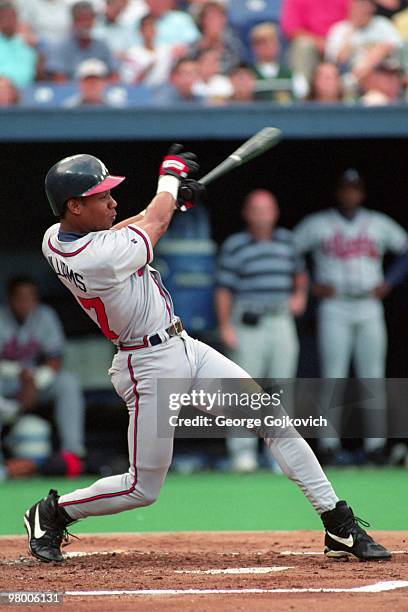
point(150, 498)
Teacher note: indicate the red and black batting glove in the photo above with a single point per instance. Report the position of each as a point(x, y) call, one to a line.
point(189, 194)
point(178, 163)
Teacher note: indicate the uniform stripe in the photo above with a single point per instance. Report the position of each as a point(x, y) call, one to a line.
point(134, 483)
point(163, 296)
point(139, 233)
point(135, 347)
point(72, 253)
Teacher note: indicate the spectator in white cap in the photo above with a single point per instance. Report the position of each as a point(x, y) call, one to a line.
point(92, 77)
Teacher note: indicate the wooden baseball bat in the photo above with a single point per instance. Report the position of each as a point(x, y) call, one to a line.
point(262, 141)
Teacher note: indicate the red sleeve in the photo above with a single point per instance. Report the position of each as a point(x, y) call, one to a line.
point(291, 18)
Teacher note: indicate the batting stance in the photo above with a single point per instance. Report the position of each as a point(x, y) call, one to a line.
point(348, 244)
point(106, 268)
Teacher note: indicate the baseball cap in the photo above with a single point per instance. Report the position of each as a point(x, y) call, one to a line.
point(91, 68)
point(351, 176)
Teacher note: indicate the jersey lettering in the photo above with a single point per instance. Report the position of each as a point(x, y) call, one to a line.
point(62, 270)
point(98, 306)
point(342, 247)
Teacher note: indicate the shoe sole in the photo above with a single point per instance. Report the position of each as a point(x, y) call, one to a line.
point(34, 554)
point(342, 554)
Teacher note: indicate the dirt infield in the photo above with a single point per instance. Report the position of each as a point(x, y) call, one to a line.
point(266, 570)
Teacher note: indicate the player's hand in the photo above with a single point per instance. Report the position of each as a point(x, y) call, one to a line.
point(297, 303)
point(229, 336)
point(381, 291)
point(190, 194)
point(178, 163)
point(323, 291)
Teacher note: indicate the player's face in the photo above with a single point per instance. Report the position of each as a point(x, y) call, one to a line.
point(350, 197)
point(23, 300)
point(96, 212)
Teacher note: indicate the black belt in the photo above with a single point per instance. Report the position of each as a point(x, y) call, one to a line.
point(174, 329)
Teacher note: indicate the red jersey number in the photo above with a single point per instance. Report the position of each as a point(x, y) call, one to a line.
point(98, 306)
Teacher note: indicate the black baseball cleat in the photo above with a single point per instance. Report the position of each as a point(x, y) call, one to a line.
point(345, 537)
point(46, 524)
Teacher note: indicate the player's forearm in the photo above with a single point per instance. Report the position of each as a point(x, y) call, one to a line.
point(158, 216)
point(398, 271)
point(300, 284)
point(223, 306)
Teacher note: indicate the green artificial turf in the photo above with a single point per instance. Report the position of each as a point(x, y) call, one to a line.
point(213, 501)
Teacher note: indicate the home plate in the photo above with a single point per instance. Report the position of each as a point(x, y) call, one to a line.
point(238, 570)
point(74, 555)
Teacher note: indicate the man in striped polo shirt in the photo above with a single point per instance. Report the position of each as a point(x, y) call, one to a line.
point(261, 287)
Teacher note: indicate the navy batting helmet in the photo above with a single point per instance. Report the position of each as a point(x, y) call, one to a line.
point(76, 176)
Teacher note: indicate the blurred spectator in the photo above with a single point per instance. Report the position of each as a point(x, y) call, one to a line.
point(18, 60)
point(389, 8)
point(215, 34)
point(65, 57)
point(9, 94)
point(383, 85)
point(31, 373)
point(97, 5)
point(274, 79)
point(326, 86)
point(306, 23)
point(180, 88)
point(113, 29)
point(194, 7)
point(211, 84)
point(48, 19)
point(92, 83)
point(362, 40)
point(243, 84)
point(261, 287)
point(148, 62)
point(173, 27)
point(400, 21)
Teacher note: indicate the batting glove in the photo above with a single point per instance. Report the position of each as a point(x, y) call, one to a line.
point(178, 163)
point(189, 194)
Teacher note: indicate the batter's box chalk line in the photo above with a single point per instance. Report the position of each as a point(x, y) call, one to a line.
point(378, 587)
point(287, 553)
point(238, 570)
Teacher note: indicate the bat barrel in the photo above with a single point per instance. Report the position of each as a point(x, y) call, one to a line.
point(259, 143)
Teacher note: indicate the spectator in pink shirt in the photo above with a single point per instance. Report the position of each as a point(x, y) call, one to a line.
point(305, 23)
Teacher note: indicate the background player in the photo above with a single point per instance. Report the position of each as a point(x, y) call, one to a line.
point(31, 372)
point(348, 244)
point(106, 268)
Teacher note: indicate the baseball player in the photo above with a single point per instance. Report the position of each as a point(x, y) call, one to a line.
point(106, 267)
point(31, 370)
point(348, 244)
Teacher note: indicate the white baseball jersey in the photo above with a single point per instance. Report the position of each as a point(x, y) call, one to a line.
point(109, 275)
point(39, 337)
point(348, 253)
